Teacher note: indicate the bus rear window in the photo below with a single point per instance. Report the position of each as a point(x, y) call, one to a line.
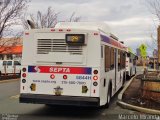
point(9, 63)
point(4, 63)
point(17, 63)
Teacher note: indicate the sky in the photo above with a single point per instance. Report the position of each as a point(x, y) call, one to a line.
point(130, 20)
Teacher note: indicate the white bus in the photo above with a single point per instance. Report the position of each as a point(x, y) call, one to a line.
point(80, 64)
point(130, 65)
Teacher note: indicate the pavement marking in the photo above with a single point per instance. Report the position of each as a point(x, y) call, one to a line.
point(14, 97)
point(7, 81)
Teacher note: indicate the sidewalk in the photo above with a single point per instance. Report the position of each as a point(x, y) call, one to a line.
point(131, 98)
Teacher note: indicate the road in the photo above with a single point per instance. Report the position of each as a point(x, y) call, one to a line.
point(9, 104)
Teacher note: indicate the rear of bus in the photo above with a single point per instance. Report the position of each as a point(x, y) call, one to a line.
point(61, 67)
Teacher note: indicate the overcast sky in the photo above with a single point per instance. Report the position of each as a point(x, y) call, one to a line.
point(130, 20)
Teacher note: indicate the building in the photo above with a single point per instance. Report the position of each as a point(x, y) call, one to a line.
point(155, 53)
point(10, 48)
point(138, 52)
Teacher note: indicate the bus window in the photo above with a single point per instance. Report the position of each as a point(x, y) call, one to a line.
point(107, 58)
point(123, 60)
point(101, 51)
point(119, 60)
point(112, 59)
point(4, 63)
point(9, 63)
point(16, 63)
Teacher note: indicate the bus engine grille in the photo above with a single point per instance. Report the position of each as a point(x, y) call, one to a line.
point(44, 46)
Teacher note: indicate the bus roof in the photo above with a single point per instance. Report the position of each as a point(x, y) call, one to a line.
point(85, 25)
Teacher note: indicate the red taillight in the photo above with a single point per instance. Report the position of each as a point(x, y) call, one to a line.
point(68, 30)
point(24, 69)
point(95, 71)
point(64, 76)
point(60, 30)
point(95, 33)
point(95, 78)
point(52, 30)
point(52, 76)
point(27, 33)
point(24, 75)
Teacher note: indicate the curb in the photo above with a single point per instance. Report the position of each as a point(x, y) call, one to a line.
point(140, 109)
point(124, 89)
point(7, 81)
point(132, 107)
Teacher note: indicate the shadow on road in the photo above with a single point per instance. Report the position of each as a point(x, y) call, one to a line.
point(69, 112)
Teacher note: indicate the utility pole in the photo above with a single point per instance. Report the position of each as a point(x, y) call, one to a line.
point(158, 38)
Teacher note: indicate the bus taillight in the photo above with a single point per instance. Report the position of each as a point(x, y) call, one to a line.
point(23, 80)
point(60, 30)
point(68, 30)
point(95, 78)
point(95, 33)
point(52, 30)
point(24, 69)
point(95, 83)
point(95, 71)
point(24, 75)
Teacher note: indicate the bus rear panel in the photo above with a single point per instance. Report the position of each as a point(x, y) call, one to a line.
point(58, 71)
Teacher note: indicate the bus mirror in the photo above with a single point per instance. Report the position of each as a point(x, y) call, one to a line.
point(128, 54)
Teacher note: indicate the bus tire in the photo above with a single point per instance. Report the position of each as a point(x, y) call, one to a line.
point(124, 80)
point(130, 72)
point(108, 96)
point(128, 77)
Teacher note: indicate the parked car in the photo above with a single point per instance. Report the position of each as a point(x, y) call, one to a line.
point(10, 67)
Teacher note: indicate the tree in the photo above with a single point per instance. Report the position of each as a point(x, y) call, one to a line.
point(46, 20)
point(143, 52)
point(74, 18)
point(41, 20)
point(143, 49)
point(154, 7)
point(10, 13)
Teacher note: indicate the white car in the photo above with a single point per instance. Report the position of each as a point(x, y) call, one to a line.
point(10, 67)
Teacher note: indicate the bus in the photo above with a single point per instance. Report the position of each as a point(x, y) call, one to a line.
point(75, 63)
point(131, 61)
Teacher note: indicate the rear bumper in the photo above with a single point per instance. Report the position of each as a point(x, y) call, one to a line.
point(59, 100)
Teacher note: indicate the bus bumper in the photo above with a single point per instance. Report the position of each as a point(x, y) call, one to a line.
point(59, 100)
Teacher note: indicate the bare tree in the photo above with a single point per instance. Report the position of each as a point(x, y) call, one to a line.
point(46, 20)
point(10, 13)
point(41, 20)
point(154, 7)
point(74, 18)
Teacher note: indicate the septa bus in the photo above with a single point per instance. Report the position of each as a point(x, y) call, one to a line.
point(80, 64)
point(131, 61)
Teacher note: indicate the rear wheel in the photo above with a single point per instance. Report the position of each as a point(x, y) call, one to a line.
point(108, 97)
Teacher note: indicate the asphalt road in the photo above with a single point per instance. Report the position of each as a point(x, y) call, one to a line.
point(9, 104)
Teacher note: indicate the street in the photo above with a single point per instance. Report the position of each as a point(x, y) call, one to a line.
point(9, 104)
